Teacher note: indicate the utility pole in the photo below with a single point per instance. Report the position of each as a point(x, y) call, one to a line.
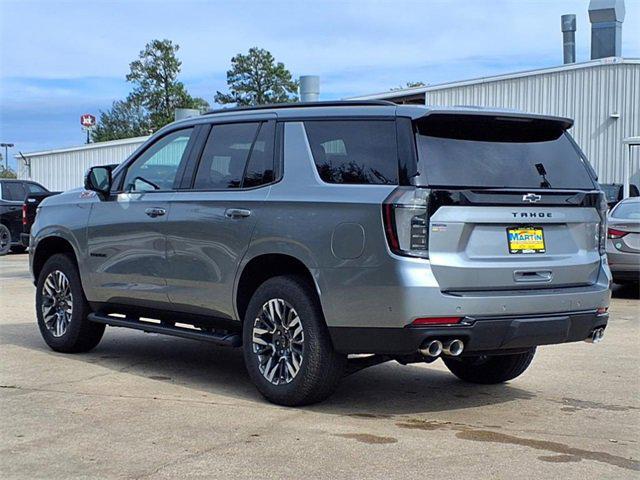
point(6, 146)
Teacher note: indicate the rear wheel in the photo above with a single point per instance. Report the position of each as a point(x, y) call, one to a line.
point(62, 308)
point(5, 239)
point(287, 349)
point(487, 369)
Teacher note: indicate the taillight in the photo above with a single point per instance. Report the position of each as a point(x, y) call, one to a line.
point(405, 221)
point(603, 207)
point(614, 233)
point(24, 214)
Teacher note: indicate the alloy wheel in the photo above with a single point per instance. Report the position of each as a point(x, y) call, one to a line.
point(278, 340)
point(57, 303)
point(4, 239)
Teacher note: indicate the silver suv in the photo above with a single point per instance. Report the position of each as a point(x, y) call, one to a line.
point(310, 233)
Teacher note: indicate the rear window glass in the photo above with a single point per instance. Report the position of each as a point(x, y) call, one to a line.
point(498, 153)
point(13, 191)
point(354, 151)
point(627, 211)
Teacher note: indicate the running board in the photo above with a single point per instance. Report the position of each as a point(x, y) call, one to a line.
point(222, 339)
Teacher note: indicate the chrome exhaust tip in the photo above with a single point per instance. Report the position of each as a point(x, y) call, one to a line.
point(453, 348)
point(596, 336)
point(432, 348)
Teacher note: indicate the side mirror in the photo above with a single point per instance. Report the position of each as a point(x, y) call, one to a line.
point(98, 179)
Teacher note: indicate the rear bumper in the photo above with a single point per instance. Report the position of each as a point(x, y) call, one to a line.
point(480, 334)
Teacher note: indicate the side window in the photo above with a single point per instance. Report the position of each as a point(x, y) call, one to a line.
point(225, 156)
point(354, 151)
point(35, 188)
point(157, 167)
point(13, 191)
point(259, 170)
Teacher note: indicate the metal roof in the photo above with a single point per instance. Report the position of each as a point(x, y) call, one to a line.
point(473, 81)
point(87, 146)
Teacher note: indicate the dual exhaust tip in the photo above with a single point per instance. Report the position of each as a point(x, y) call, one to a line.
point(435, 348)
point(596, 336)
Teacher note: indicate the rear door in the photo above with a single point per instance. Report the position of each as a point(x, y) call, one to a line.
point(514, 204)
point(127, 232)
point(213, 217)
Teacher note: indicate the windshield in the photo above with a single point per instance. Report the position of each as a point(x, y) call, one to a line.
point(498, 153)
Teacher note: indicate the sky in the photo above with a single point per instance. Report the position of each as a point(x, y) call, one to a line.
point(60, 59)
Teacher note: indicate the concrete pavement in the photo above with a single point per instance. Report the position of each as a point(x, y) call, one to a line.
point(145, 406)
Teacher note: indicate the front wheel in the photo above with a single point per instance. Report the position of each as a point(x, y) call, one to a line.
point(287, 349)
point(62, 308)
point(489, 369)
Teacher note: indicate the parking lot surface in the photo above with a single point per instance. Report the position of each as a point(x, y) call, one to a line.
point(146, 406)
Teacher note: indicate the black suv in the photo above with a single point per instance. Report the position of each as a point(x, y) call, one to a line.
point(12, 197)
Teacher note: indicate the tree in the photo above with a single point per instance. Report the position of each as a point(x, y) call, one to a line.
point(125, 119)
point(156, 86)
point(256, 79)
point(7, 172)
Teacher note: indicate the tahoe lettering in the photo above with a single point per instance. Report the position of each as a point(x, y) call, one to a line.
point(531, 214)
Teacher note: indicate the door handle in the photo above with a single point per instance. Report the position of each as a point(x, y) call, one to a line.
point(155, 212)
point(237, 213)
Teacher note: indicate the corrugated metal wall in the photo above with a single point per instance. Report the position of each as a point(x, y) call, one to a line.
point(64, 170)
point(588, 95)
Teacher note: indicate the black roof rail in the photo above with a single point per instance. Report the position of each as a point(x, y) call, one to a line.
point(330, 103)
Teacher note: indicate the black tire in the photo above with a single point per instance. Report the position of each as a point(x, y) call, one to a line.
point(18, 249)
point(81, 335)
point(489, 369)
point(320, 368)
point(5, 239)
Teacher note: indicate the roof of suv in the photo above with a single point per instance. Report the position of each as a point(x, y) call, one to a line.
point(346, 108)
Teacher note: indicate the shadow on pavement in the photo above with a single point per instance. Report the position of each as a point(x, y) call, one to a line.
point(384, 390)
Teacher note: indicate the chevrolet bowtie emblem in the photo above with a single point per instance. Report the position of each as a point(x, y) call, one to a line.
point(531, 197)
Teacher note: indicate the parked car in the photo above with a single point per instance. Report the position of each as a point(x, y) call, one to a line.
point(305, 233)
point(12, 197)
point(614, 192)
point(623, 244)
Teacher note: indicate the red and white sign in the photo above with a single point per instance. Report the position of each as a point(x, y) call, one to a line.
point(87, 120)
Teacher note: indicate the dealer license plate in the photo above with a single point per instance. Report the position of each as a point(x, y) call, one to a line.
point(526, 240)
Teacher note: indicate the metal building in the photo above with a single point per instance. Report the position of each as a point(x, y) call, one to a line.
point(602, 96)
point(64, 168)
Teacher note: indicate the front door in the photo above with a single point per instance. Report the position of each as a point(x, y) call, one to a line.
point(127, 232)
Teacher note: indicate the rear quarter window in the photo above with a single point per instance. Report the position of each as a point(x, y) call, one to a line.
point(354, 151)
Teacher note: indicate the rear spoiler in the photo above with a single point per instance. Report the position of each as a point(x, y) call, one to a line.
point(561, 122)
point(491, 126)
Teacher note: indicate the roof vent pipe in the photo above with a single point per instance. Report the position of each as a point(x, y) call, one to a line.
point(309, 88)
point(569, 38)
point(606, 18)
point(182, 113)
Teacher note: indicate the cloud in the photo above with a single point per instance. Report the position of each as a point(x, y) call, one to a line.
point(66, 57)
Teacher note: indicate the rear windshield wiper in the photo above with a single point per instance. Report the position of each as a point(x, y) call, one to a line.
point(543, 173)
